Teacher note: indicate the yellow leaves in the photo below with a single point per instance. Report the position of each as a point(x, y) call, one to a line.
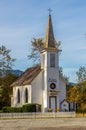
point(83, 106)
point(74, 94)
point(78, 94)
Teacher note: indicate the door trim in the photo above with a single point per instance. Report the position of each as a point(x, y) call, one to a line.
point(55, 101)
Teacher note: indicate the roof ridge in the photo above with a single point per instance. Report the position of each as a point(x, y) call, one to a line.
point(27, 76)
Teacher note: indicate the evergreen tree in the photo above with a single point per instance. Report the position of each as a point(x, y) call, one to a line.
point(6, 63)
point(6, 90)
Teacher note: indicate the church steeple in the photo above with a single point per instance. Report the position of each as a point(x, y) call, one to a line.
point(50, 40)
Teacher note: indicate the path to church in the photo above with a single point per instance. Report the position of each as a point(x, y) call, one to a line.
point(44, 124)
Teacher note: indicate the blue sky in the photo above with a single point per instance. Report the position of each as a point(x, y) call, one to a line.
point(21, 20)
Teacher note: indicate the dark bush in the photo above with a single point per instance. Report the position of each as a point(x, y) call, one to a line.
point(29, 108)
point(25, 108)
point(18, 109)
point(11, 109)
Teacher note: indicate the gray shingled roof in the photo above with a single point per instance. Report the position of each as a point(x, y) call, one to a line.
point(27, 76)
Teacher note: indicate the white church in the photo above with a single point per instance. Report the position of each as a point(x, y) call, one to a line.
point(43, 85)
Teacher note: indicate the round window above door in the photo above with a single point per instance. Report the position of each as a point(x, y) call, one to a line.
point(52, 86)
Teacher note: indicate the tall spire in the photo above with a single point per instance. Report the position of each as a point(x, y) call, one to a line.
point(50, 41)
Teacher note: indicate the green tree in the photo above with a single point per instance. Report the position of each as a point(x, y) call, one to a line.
point(6, 61)
point(6, 90)
point(81, 74)
point(83, 96)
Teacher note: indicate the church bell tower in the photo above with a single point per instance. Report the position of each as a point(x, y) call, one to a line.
point(50, 66)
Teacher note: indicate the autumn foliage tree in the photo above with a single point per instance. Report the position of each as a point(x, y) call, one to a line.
point(74, 94)
point(78, 92)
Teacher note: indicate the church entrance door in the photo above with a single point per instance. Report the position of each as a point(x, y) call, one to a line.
point(53, 103)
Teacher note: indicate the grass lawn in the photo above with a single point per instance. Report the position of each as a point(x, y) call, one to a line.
point(0, 111)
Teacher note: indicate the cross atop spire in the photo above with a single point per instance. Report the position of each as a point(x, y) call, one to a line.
point(50, 10)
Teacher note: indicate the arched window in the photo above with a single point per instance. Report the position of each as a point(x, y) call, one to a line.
point(26, 95)
point(18, 96)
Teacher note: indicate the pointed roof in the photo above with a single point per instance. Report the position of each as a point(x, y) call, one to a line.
point(27, 77)
point(50, 40)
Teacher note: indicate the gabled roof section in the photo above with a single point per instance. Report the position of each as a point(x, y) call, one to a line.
point(50, 41)
point(64, 101)
point(27, 77)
